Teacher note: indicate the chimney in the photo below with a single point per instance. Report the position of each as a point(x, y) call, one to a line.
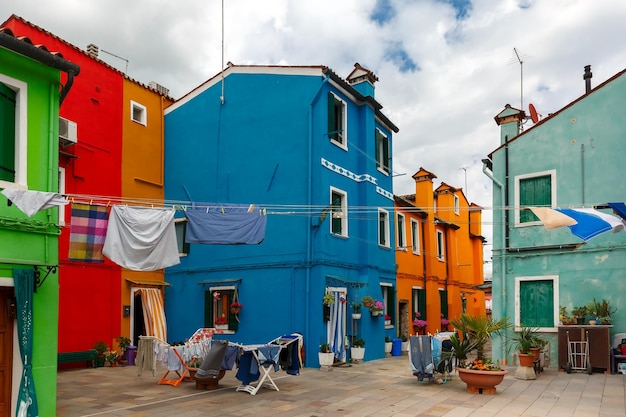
point(92, 50)
point(587, 77)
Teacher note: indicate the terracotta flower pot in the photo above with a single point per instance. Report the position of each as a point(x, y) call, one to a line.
point(526, 359)
point(481, 382)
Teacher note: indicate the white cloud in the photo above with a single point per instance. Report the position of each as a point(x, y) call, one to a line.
point(465, 69)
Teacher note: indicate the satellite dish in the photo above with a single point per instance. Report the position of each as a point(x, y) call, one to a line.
point(533, 113)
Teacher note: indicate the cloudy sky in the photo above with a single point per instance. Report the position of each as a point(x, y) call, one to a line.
point(446, 67)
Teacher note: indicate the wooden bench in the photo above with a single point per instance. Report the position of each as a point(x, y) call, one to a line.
point(85, 355)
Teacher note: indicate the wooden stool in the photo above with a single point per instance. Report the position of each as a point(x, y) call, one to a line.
point(209, 383)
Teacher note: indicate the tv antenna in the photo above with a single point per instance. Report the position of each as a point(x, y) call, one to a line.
point(520, 57)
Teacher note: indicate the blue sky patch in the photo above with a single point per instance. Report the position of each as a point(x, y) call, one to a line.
point(462, 7)
point(400, 58)
point(383, 12)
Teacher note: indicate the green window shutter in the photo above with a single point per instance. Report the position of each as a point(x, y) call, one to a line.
point(443, 300)
point(7, 133)
point(385, 143)
point(332, 117)
point(534, 192)
point(336, 221)
point(391, 303)
point(537, 303)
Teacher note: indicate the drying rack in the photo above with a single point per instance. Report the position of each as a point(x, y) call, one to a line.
point(266, 364)
point(202, 338)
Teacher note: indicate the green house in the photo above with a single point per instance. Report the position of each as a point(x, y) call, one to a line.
point(33, 82)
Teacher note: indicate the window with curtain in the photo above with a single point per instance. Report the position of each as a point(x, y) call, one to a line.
point(339, 212)
point(415, 236)
point(217, 304)
point(419, 302)
point(382, 151)
point(440, 245)
point(401, 231)
point(337, 120)
point(383, 228)
point(389, 301)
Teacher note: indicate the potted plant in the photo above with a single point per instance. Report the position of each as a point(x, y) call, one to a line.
point(481, 375)
point(444, 323)
point(329, 299)
point(565, 318)
point(387, 320)
point(356, 310)
point(377, 308)
point(419, 325)
point(235, 307)
point(101, 349)
point(526, 339)
point(579, 314)
point(405, 343)
point(602, 311)
point(388, 346)
point(111, 358)
point(124, 344)
point(326, 355)
point(368, 301)
point(221, 323)
point(357, 351)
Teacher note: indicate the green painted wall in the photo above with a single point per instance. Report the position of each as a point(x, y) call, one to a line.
point(31, 241)
point(583, 143)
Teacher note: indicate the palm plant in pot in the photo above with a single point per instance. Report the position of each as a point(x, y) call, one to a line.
point(524, 340)
point(480, 374)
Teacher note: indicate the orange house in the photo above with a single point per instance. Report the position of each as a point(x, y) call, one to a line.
point(439, 255)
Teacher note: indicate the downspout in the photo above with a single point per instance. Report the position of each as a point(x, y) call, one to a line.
point(309, 243)
point(503, 232)
point(425, 264)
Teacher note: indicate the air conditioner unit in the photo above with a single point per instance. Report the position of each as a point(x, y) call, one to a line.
point(67, 132)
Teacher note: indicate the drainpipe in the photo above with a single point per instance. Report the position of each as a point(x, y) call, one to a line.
point(309, 243)
point(55, 61)
point(503, 234)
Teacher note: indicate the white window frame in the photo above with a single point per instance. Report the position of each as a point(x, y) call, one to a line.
point(21, 132)
point(456, 204)
point(518, 179)
point(415, 238)
point(385, 288)
point(441, 249)
point(344, 124)
point(180, 224)
point(386, 243)
point(143, 120)
point(385, 166)
point(61, 191)
point(555, 300)
point(401, 233)
point(343, 213)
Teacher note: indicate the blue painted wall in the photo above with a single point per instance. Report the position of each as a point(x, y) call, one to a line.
point(264, 145)
point(583, 143)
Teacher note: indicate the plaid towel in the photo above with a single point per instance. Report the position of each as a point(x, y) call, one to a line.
point(87, 232)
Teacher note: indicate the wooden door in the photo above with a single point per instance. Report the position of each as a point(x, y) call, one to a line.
point(7, 318)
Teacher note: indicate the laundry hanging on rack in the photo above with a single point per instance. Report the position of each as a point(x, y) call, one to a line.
point(141, 238)
point(228, 225)
point(30, 202)
point(88, 228)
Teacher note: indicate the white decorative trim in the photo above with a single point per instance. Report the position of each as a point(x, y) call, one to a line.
point(356, 177)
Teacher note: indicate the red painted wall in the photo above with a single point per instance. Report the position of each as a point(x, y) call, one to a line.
point(90, 294)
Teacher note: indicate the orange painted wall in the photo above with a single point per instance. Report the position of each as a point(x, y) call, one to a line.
point(142, 167)
point(462, 266)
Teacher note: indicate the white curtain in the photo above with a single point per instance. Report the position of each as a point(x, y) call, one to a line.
point(336, 327)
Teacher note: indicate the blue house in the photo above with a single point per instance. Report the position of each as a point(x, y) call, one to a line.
point(572, 158)
point(312, 152)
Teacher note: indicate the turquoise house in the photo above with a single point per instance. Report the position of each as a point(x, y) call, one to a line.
point(33, 83)
point(312, 152)
point(572, 158)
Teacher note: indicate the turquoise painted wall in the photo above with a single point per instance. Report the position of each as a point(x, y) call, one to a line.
point(583, 143)
point(31, 241)
point(264, 145)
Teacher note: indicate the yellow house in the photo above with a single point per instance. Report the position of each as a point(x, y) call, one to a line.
point(439, 255)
